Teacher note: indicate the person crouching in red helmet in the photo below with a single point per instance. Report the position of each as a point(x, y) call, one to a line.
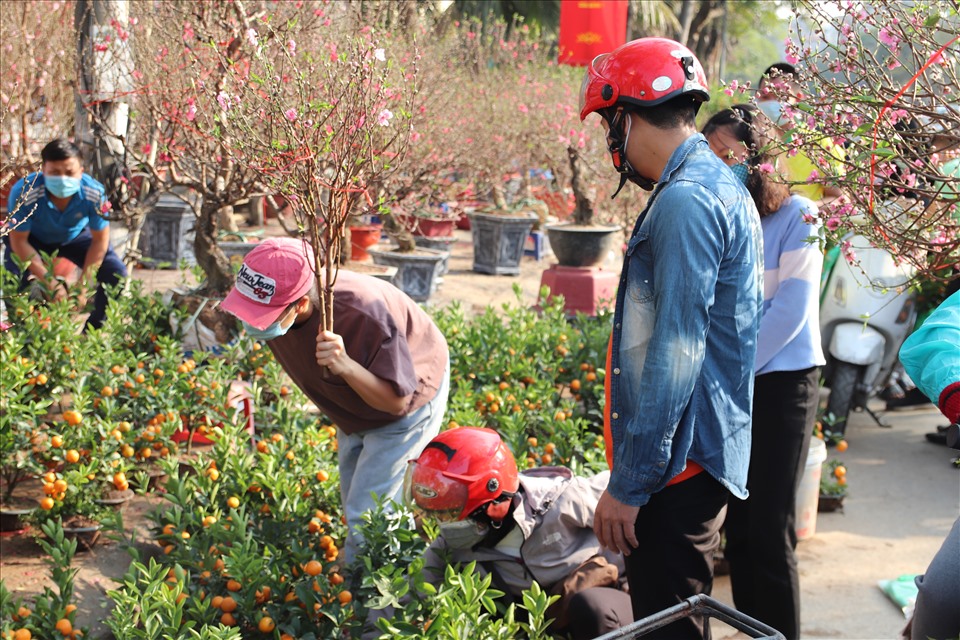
point(519, 527)
point(684, 331)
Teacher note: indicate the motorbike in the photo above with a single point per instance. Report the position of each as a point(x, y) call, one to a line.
point(867, 310)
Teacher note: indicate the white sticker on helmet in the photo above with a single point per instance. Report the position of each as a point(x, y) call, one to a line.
point(661, 84)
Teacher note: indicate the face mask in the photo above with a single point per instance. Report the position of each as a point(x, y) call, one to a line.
point(772, 109)
point(275, 330)
point(741, 171)
point(463, 534)
point(61, 186)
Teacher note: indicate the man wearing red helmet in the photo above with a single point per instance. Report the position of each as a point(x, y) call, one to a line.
point(685, 327)
point(520, 527)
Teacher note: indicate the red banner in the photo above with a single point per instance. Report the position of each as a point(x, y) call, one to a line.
point(589, 28)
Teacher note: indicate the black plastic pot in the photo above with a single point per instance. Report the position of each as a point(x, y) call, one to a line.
point(582, 246)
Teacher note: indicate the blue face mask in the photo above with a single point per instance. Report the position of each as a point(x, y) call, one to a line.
point(274, 330)
point(772, 109)
point(741, 171)
point(61, 186)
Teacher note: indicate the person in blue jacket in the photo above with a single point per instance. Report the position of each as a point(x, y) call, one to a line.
point(63, 210)
point(931, 357)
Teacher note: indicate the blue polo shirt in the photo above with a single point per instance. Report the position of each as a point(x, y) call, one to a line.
point(29, 204)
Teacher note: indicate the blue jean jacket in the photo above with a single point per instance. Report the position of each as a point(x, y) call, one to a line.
point(685, 330)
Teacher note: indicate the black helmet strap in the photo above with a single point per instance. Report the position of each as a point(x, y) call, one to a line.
point(617, 136)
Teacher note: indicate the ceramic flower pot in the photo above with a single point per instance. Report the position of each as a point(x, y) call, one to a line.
point(362, 238)
point(13, 519)
point(582, 245)
point(418, 272)
point(116, 500)
point(85, 532)
point(498, 241)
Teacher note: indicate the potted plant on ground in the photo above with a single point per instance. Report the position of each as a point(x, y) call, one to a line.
point(833, 486)
point(26, 398)
point(71, 497)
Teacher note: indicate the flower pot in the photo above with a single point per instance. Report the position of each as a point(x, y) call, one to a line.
point(152, 478)
point(428, 227)
point(361, 239)
point(116, 500)
point(581, 245)
point(84, 530)
point(236, 251)
point(440, 243)
point(13, 519)
point(826, 504)
point(498, 241)
point(379, 271)
point(417, 272)
point(432, 228)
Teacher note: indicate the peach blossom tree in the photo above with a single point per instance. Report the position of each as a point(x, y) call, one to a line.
point(36, 94)
point(334, 122)
point(879, 81)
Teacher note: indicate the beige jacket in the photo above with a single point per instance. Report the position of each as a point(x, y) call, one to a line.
point(555, 515)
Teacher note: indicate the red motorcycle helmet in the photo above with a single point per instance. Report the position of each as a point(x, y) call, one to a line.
point(459, 472)
point(642, 73)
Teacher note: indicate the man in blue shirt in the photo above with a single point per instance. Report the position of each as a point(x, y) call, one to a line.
point(63, 210)
point(684, 335)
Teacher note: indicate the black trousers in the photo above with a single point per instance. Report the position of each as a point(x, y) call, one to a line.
point(761, 530)
point(678, 531)
point(596, 611)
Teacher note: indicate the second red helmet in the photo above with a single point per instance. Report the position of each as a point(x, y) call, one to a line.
point(458, 472)
point(642, 73)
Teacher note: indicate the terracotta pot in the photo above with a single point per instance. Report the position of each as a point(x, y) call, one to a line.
point(429, 227)
point(361, 239)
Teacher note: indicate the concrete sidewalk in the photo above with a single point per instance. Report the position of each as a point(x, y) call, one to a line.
point(904, 495)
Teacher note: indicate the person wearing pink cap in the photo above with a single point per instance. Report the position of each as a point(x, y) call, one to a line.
point(382, 375)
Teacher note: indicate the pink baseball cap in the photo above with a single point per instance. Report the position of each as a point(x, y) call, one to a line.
point(276, 273)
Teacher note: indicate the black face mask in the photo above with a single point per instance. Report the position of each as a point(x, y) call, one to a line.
point(617, 147)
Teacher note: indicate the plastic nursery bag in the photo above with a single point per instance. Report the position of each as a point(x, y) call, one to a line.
point(903, 592)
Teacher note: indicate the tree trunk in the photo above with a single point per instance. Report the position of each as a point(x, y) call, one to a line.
point(207, 251)
point(585, 207)
point(685, 18)
point(399, 232)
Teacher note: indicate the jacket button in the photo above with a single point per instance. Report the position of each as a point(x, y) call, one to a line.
point(614, 415)
point(661, 464)
point(616, 371)
point(618, 325)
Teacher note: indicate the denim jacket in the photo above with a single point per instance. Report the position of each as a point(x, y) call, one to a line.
point(685, 330)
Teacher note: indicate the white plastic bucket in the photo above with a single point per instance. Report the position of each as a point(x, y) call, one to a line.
point(808, 493)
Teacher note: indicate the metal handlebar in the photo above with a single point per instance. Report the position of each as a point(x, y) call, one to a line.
point(702, 605)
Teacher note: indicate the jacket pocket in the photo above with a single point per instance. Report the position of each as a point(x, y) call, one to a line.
point(640, 268)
